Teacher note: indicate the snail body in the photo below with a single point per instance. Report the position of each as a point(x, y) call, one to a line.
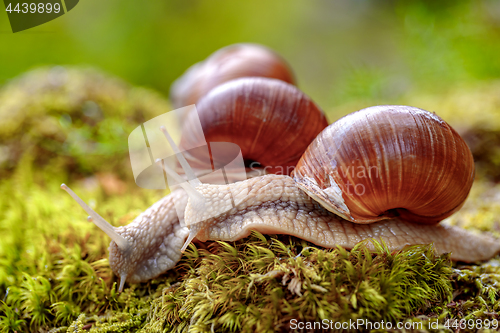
point(307, 204)
point(276, 205)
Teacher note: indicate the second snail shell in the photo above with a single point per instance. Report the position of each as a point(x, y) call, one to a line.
point(271, 121)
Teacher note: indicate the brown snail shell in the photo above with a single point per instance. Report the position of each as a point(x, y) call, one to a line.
point(228, 63)
point(388, 161)
point(272, 122)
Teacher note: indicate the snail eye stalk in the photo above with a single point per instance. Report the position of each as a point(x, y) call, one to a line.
point(97, 219)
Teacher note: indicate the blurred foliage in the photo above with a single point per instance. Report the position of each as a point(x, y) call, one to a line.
point(341, 50)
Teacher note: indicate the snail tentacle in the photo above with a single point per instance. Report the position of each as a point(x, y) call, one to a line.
point(198, 200)
point(193, 180)
point(99, 221)
point(149, 245)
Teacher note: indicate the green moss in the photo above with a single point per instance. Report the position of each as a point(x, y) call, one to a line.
point(262, 283)
point(53, 264)
point(54, 272)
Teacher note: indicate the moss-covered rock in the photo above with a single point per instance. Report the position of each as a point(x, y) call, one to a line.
point(262, 284)
point(70, 118)
point(54, 271)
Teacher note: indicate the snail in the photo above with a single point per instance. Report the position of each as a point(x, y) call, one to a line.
point(228, 63)
point(255, 114)
point(402, 156)
point(388, 171)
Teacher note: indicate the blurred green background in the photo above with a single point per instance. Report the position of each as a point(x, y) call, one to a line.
point(340, 50)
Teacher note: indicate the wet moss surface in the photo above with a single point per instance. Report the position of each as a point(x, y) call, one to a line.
point(55, 275)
